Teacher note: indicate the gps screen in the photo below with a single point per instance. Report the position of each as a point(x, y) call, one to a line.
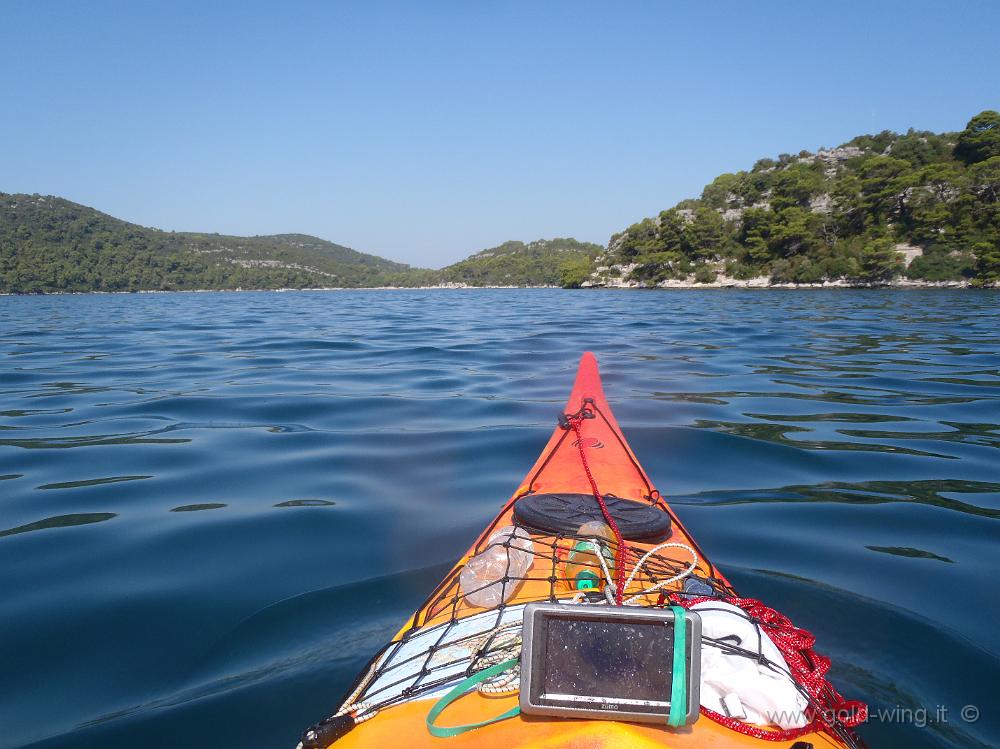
point(615, 660)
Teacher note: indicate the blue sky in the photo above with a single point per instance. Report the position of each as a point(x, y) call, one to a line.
point(423, 131)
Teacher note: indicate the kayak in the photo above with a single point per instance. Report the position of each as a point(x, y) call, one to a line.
point(460, 635)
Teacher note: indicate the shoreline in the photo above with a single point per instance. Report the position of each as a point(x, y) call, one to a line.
point(754, 284)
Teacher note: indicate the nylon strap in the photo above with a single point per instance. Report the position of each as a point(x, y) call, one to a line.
point(678, 687)
point(444, 732)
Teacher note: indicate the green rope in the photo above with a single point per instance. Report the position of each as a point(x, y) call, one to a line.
point(460, 689)
point(678, 688)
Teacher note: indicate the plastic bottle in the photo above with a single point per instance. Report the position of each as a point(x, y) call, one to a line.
point(583, 569)
point(481, 580)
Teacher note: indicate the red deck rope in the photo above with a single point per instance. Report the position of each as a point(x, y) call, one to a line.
point(828, 708)
point(621, 551)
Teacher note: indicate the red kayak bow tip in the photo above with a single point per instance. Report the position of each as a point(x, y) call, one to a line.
point(588, 385)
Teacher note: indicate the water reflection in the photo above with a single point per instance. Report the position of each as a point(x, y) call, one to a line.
point(906, 551)
point(60, 521)
point(933, 493)
point(779, 434)
point(81, 483)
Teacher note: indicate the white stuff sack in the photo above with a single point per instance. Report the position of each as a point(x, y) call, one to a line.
point(741, 687)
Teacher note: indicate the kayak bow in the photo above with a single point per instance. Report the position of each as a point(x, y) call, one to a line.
point(449, 640)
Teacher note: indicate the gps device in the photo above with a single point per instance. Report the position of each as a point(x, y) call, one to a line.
point(611, 662)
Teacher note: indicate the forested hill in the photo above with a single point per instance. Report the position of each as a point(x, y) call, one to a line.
point(545, 262)
point(879, 208)
point(920, 205)
point(49, 244)
point(52, 244)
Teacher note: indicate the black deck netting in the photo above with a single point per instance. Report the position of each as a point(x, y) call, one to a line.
point(449, 640)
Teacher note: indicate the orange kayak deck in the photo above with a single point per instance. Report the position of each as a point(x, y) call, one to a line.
point(402, 722)
point(405, 725)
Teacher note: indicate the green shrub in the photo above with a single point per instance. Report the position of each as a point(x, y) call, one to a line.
point(705, 274)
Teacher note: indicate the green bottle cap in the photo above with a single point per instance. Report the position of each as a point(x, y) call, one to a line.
point(587, 580)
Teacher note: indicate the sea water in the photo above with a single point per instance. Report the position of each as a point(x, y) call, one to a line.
point(216, 507)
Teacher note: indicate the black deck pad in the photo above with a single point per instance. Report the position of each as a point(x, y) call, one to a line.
point(565, 513)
